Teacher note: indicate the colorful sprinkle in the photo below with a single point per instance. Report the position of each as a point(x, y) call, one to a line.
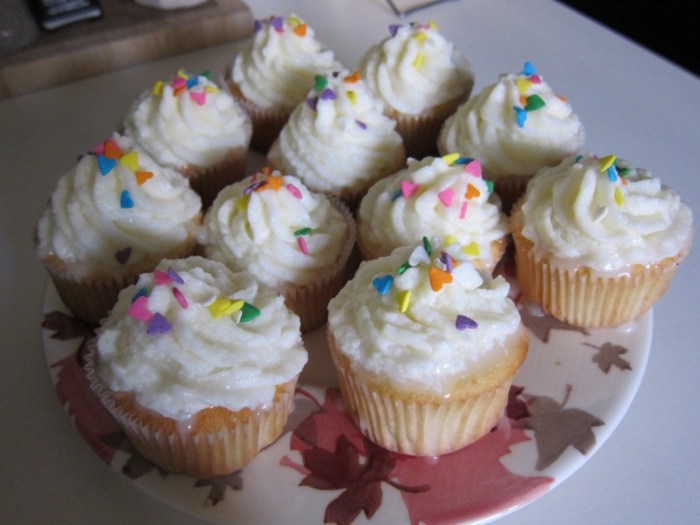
point(473, 168)
point(125, 200)
point(328, 94)
point(277, 23)
point(408, 188)
point(383, 284)
point(404, 299)
point(143, 292)
point(312, 102)
point(112, 150)
point(222, 306)
point(464, 160)
point(199, 97)
point(462, 322)
point(418, 61)
point(301, 241)
point(352, 78)
point(606, 162)
point(393, 29)
point(520, 116)
point(320, 83)
point(139, 309)
point(489, 185)
point(303, 231)
point(529, 69)
point(446, 259)
point(471, 249)
point(463, 210)
point(352, 96)
point(105, 165)
point(300, 30)
point(158, 88)
point(122, 256)
point(249, 312)
point(523, 84)
point(446, 196)
point(291, 188)
point(619, 198)
point(472, 192)
point(130, 160)
point(158, 325)
point(257, 26)
point(450, 159)
point(438, 278)
point(612, 173)
point(143, 176)
point(161, 277)
point(428, 247)
point(396, 195)
point(534, 102)
point(174, 276)
point(180, 298)
point(402, 269)
point(420, 37)
point(361, 124)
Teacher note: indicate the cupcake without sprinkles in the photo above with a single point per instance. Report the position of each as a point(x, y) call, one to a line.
point(339, 141)
point(289, 238)
point(598, 241)
point(195, 128)
point(112, 217)
point(274, 72)
point(514, 126)
point(447, 197)
point(198, 365)
point(425, 348)
point(420, 78)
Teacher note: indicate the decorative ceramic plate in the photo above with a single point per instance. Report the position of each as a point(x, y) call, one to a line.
point(568, 397)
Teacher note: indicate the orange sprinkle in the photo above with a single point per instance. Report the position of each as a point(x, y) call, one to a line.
point(112, 151)
point(472, 192)
point(563, 99)
point(300, 30)
point(438, 278)
point(354, 77)
point(143, 176)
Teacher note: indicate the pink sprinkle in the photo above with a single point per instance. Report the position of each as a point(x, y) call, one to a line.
point(139, 309)
point(463, 210)
point(291, 188)
point(99, 149)
point(474, 168)
point(200, 97)
point(180, 298)
point(408, 188)
point(302, 245)
point(161, 277)
point(535, 79)
point(446, 197)
point(178, 82)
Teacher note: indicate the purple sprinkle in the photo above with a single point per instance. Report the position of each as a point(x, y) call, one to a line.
point(462, 323)
point(158, 325)
point(174, 276)
point(312, 102)
point(277, 23)
point(393, 28)
point(361, 124)
point(122, 255)
point(328, 94)
point(250, 189)
point(257, 26)
point(447, 261)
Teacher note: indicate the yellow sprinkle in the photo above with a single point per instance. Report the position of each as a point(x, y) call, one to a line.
point(158, 88)
point(211, 89)
point(352, 96)
point(432, 25)
point(451, 239)
point(221, 307)
point(450, 158)
point(606, 162)
point(242, 203)
point(130, 160)
point(472, 249)
point(294, 21)
point(420, 37)
point(619, 198)
point(523, 84)
point(418, 61)
point(183, 74)
point(404, 300)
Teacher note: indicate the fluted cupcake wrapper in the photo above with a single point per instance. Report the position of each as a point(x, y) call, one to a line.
point(584, 297)
point(509, 188)
point(405, 424)
point(233, 442)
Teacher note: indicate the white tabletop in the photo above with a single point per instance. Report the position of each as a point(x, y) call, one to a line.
point(632, 103)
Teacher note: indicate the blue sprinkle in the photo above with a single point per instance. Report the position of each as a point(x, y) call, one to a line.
point(383, 284)
point(520, 115)
point(125, 200)
point(396, 195)
point(529, 69)
point(612, 173)
point(143, 292)
point(463, 160)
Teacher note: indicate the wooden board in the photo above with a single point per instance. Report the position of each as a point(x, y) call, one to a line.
point(127, 33)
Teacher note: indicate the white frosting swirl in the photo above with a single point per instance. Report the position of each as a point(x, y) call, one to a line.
point(339, 139)
point(188, 122)
point(606, 221)
point(416, 69)
point(111, 222)
point(202, 360)
point(422, 348)
point(436, 198)
point(281, 234)
point(487, 127)
point(276, 67)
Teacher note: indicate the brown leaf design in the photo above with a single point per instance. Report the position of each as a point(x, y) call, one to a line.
point(218, 485)
point(541, 325)
point(608, 356)
point(557, 428)
point(66, 327)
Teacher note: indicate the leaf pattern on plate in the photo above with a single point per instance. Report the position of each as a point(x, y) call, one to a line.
point(609, 355)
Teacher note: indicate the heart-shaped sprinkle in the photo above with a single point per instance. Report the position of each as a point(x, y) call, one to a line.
point(158, 325)
point(105, 165)
point(383, 284)
point(180, 298)
point(473, 168)
point(520, 116)
point(275, 182)
point(438, 278)
point(404, 299)
point(408, 188)
point(471, 249)
point(418, 255)
point(112, 149)
point(125, 200)
point(139, 309)
point(199, 97)
point(248, 313)
point(98, 150)
point(523, 84)
point(328, 94)
point(277, 23)
point(462, 322)
point(122, 256)
point(529, 69)
point(446, 196)
point(472, 192)
point(320, 83)
point(130, 160)
point(222, 306)
point(393, 28)
point(312, 102)
point(534, 102)
point(535, 79)
point(300, 30)
point(143, 176)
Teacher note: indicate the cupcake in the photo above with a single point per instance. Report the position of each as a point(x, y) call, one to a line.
point(514, 126)
point(195, 128)
point(274, 71)
point(114, 216)
point(444, 196)
point(420, 78)
point(198, 365)
point(290, 239)
point(597, 241)
point(339, 141)
point(425, 348)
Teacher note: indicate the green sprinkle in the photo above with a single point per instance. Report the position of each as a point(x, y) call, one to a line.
point(534, 102)
point(302, 231)
point(489, 185)
point(320, 83)
point(248, 312)
point(402, 269)
point(427, 246)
